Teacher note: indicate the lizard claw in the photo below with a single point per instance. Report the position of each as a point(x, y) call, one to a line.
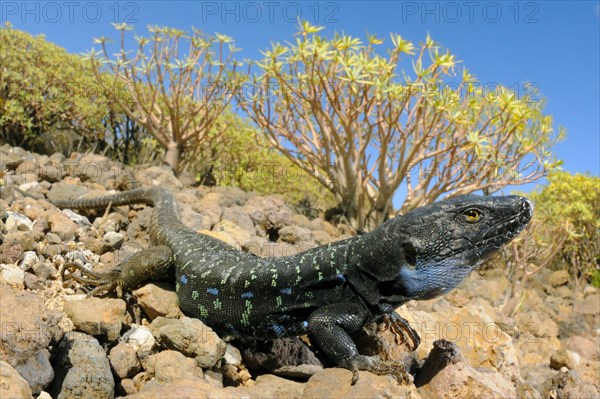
point(377, 366)
point(105, 282)
point(401, 328)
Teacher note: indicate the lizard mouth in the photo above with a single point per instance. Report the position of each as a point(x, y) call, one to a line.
point(504, 231)
point(513, 226)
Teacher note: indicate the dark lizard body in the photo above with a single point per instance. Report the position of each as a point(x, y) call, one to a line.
point(327, 292)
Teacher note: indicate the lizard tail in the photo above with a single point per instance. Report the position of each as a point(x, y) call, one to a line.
point(138, 195)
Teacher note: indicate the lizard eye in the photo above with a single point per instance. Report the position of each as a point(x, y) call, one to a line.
point(472, 215)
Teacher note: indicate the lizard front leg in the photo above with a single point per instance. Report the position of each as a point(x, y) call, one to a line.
point(330, 326)
point(148, 264)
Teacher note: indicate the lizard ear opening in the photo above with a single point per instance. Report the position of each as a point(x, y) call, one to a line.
point(410, 253)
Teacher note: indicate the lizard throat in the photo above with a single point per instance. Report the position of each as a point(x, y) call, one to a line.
point(432, 280)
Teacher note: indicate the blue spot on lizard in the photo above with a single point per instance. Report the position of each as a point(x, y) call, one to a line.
point(278, 329)
point(247, 295)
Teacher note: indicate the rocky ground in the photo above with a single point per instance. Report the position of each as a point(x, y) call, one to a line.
point(56, 342)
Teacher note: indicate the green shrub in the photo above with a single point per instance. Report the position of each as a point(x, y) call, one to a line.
point(563, 233)
point(571, 203)
point(42, 88)
point(595, 278)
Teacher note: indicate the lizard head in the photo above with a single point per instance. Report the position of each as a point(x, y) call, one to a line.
point(436, 246)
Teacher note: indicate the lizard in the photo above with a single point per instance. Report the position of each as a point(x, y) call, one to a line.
point(326, 292)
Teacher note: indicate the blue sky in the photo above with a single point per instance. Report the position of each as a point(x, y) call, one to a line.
point(553, 44)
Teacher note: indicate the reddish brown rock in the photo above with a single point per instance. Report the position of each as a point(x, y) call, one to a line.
point(167, 366)
point(335, 383)
point(124, 361)
point(12, 385)
point(445, 374)
point(97, 316)
point(158, 299)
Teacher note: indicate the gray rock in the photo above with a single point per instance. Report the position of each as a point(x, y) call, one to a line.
point(231, 196)
point(63, 141)
point(288, 357)
point(65, 191)
point(232, 355)
point(77, 218)
point(210, 209)
point(191, 337)
point(124, 361)
point(138, 226)
point(237, 215)
point(161, 176)
point(57, 157)
point(27, 171)
point(82, 369)
point(114, 221)
point(10, 160)
point(270, 213)
point(33, 282)
point(61, 225)
point(558, 278)
point(15, 245)
point(33, 187)
point(169, 365)
point(569, 385)
point(97, 246)
point(587, 347)
point(194, 220)
point(28, 327)
point(53, 238)
point(37, 371)
point(8, 189)
point(320, 237)
point(564, 358)
point(30, 258)
point(17, 222)
point(588, 306)
point(39, 230)
point(256, 245)
point(301, 221)
point(294, 234)
point(52, 172)
point(93, 168)
point(140, 338)
point(44, 270)
point(83, 257)
point(12, 275)
point(114, 239)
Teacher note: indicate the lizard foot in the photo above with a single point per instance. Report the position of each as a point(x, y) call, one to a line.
point(401, 328)
point(101, 281)
point(377, 366)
